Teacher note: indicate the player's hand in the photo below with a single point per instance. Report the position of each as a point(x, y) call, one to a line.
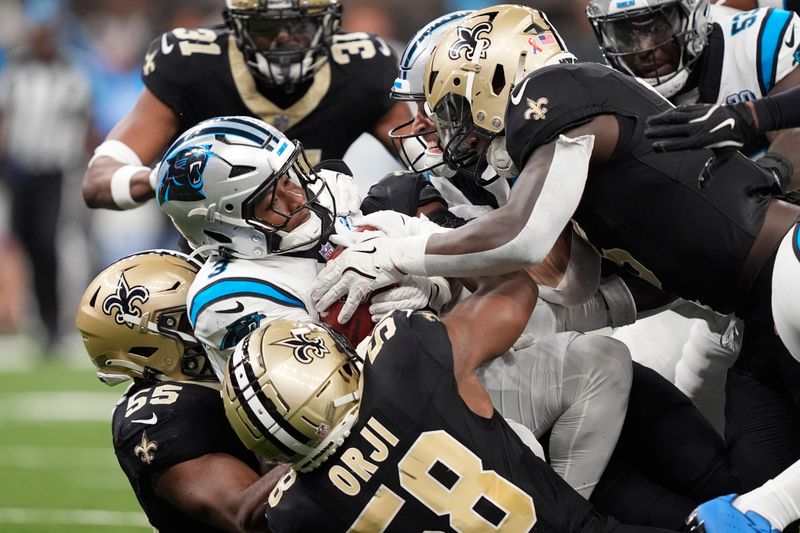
point(365, 266)
point(698, 126)
point(720, 516)
point(398, 225)
point(414, 292)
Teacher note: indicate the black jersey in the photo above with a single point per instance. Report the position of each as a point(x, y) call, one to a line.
point(418, 459)
point(641, 209)
point(161, 425)
point(201, 74)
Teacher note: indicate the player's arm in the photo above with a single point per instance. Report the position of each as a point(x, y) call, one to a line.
point(784, 142)
point(516, 236)
point(484, 326)
point(522, 232)
point(218, 489)
point(117, 176)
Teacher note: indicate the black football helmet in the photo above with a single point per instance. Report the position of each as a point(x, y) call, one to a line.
point(284, 42)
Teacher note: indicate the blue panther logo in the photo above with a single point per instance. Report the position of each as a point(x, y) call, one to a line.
point(184, 179)
point(239, 330)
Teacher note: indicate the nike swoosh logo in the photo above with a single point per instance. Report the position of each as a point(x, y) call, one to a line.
point(727, 122)
point(367, 251)
point(166, 48)
point(516, 96)
point(238, 309)
point(149, 421)
point(790, 42)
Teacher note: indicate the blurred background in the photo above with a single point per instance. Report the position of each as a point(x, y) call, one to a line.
point(57, 467)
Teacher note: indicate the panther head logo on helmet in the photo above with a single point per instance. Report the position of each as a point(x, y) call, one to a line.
point(184, 178)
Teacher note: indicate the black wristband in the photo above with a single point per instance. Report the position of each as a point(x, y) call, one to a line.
point(779, 166)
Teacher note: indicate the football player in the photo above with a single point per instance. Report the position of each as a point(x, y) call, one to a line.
point(410, 441)
point(283, 61)
point(575, 131)
point(171, 438)
point(241, 191)
point(673, 46)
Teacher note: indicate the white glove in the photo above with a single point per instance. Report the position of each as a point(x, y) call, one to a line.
point(396, 224)
point(344, 190)
point(369, 262)
point(414, 292)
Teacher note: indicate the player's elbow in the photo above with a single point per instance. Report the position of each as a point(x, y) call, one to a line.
point(90, 189)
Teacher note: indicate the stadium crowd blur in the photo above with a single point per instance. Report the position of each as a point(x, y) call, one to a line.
point(101, 43)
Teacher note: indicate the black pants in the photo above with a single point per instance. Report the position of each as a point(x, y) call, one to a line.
point(668, 460)
point(762, 410)
point(35, 205)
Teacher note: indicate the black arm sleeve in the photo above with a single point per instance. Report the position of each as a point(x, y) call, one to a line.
point(779, 111)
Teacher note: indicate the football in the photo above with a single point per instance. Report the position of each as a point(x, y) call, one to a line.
point(360, 324)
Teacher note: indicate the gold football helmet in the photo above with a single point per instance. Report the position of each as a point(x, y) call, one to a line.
point(475, 66)
point(291, 392)
point(133, 322)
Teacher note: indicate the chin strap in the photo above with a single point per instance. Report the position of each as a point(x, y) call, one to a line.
point(334, 439)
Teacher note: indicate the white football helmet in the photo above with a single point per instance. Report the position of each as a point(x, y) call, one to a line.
point(656, 41)
point(408, 87)
point(213, 176)
point(284, 42)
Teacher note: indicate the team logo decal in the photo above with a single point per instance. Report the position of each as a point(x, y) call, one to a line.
point(124, 301)
point(536, 109)
point(146, 449)
point(305, 349)
point(470, 42)
point(149, 63)
point(184, 179)
point(239, 330)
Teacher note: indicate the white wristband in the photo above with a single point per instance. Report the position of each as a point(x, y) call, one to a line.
point(121, 186)
point(154, 178)
point(118, 151)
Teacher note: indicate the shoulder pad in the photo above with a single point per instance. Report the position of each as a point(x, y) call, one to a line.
point(179, 57)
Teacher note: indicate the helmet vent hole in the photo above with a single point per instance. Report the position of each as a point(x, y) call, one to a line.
point(238, 170)
point(94, 297)
point(498, 80)
point(320, 391)
point(457, 82)
point(434, 74)
point(174, 287)
point(142, 351)
point(228, 207)
point(219, 237)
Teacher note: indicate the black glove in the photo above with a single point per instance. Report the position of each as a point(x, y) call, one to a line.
point(698, 126)
point(780, 168)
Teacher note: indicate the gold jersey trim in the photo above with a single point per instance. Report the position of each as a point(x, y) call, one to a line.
point(283, 119)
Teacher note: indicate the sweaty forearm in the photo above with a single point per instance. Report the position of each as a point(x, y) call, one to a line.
point(253, 504)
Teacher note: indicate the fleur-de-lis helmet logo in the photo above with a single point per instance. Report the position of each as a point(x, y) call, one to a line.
point(470, 41)
point(123, 301)
point(304, 348)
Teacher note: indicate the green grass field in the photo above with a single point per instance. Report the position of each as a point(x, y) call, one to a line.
point(58, 471)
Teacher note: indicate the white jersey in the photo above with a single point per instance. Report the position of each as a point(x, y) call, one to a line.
point(231, 297)
point(748, 53)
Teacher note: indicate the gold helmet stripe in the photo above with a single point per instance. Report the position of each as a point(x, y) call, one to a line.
point(261, 410)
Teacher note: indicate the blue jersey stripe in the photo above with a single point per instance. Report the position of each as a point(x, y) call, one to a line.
point(769, 44)
point(231, 288)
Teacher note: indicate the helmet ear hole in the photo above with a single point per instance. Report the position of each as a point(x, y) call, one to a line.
point(498, 80)
point(143, 351)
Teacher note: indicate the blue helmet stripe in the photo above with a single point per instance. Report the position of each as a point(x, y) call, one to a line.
point(238, 287)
